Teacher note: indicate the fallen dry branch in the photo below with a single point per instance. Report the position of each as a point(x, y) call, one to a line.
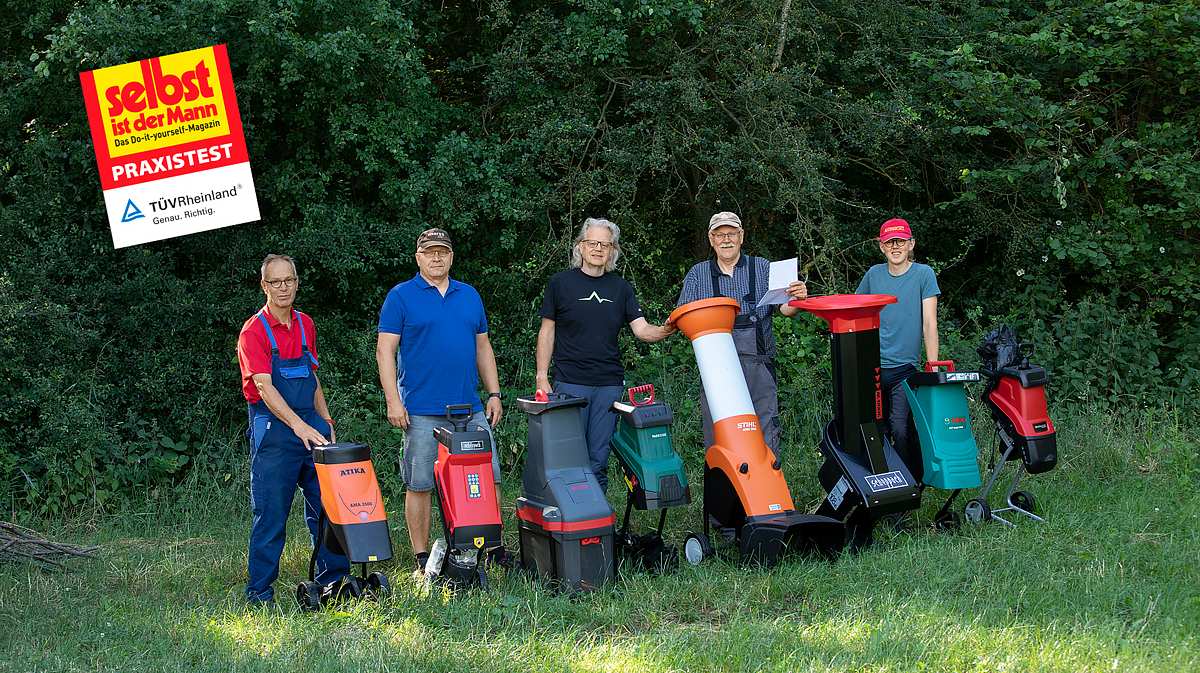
point(21, 544)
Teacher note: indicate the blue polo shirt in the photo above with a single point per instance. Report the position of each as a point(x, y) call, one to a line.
point(436, 360)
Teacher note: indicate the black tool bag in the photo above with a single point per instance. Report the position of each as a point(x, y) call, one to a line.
point(1000, 348)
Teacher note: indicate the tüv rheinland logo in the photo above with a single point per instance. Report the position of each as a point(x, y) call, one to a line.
point(132, 212)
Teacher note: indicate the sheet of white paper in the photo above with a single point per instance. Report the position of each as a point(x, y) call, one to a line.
point(782, 274)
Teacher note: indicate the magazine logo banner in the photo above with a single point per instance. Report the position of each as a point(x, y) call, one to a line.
point(169, 146)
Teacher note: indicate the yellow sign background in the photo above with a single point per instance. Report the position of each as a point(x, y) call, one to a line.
point(171, 64)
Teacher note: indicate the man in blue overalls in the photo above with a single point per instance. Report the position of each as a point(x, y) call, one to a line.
point(277, 353)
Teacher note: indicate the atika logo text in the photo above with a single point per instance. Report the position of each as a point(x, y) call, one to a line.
point(351, 470)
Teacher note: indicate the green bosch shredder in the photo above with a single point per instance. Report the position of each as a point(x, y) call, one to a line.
point(948, 456)
point(653, 475)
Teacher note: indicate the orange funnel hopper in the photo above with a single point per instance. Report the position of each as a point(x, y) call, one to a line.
point(706, 316)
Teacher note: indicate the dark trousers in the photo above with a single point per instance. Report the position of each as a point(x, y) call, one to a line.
point(896, 411)
point(599, 423)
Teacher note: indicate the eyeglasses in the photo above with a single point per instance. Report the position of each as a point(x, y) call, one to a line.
point(596, 245)
point(896, 243)
point(280, 283)
point(437, 254)
point(729, 236)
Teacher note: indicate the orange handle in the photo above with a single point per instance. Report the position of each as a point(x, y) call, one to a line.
point(638, 390)
point(932, 364)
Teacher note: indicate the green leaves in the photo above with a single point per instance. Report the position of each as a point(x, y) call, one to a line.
point(1057, 140)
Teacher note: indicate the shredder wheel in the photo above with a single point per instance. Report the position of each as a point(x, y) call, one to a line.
point(347, 587)
point(1024, 500)
point(977, 511)
point(308, 595)
point(950, 521)
point(696, 548)
point(378, 585)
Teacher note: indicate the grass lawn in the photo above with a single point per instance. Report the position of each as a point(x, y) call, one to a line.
point(1110, 583)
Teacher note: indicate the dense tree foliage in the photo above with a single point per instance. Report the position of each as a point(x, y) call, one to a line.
point(1046, 153)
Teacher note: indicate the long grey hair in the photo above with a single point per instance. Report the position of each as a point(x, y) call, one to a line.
point(589, 223)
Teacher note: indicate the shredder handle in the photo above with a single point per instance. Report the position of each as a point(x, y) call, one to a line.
point(458, 415)
point(638, 390)
point(1026, 350)
point(933, 364)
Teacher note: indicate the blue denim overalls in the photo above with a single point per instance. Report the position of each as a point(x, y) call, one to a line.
point(278, 463)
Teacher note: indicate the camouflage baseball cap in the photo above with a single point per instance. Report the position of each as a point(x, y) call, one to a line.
point(432, 237)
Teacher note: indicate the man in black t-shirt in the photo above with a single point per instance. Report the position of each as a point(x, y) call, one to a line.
point(582, 314)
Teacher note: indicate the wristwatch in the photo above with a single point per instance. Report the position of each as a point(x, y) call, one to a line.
point(498, 396)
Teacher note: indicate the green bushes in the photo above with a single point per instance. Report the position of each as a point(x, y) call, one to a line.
point(1044, 153)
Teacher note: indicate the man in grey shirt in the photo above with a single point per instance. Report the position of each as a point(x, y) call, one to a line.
point(743, 277)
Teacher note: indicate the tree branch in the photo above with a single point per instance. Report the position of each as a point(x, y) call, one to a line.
point(783, 20)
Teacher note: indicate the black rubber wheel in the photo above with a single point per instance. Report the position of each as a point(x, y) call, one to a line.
point(308, 595)
point(1024, 500)
point(348, 587)
point(668, 559)
point(378, 585)
point(977, 511)
point(949, 522)
point(696, 548)
point(499, 556)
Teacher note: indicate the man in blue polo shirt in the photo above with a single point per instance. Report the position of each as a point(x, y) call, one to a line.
point(440, 330)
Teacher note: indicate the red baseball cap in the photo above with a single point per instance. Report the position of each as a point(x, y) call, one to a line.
point(894, 228)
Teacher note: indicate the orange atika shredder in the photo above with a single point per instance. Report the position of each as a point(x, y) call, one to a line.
point(744, 487)
point(352, 522)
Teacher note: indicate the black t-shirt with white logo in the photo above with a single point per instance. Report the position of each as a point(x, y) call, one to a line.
point(588, 313)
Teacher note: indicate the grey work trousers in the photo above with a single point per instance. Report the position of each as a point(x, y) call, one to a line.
point(764, 392)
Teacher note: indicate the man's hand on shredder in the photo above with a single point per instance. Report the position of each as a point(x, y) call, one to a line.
point(309, 435)
point(494, 411)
